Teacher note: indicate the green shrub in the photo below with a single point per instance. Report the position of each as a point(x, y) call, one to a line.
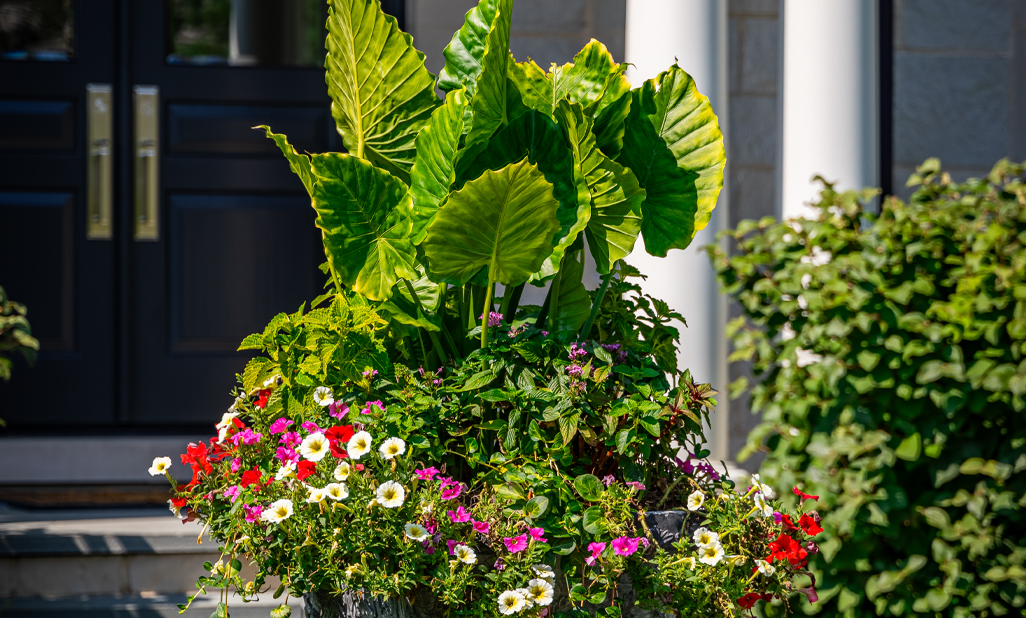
point(15, 335)
point(889, 354)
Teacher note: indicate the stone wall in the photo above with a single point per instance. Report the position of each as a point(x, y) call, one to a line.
point(959, 85)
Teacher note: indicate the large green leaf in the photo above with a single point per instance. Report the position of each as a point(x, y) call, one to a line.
point(616, 196)
point(489, 99)
point(539, 138)
point(674, 146)
point(365, 214)
point(464, 53)
point(299, 163)
point(434, 170)
point(502, 222)
point(593, 79)
point(382, 94)
point(574, 304)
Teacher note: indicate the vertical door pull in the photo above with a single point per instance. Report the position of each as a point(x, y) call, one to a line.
point(99, 170)
point(147, 162)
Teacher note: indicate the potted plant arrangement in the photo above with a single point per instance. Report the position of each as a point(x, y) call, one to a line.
point(420, 442)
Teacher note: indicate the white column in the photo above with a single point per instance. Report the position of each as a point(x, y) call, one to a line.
point(829, 98)
point(694, 32)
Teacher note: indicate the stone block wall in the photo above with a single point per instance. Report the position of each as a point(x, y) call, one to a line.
point(959, 85)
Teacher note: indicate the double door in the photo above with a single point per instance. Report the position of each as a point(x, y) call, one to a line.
point(143, 222)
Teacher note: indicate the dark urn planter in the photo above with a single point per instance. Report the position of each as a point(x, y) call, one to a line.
point(666, 527)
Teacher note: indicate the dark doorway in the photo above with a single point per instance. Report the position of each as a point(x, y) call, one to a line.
point(146, 248)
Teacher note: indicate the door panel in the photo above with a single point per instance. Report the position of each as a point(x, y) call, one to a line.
point(199, 129)
point(65, 280)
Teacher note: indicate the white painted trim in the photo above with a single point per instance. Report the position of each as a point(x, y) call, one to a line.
point(694, 32)
point(67, 460)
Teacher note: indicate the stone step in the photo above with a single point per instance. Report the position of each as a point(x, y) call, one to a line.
point(149, 606)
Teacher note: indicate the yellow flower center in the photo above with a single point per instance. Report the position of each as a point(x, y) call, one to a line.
point(389, 494)
point(281, 512)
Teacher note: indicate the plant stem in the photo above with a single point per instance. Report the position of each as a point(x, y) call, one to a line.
point(485, 311)
point(599, 295)
point(435, 343)
point(514, 302)
point(504, 307)
point(331, 267)
point(554, 301)
point(543, 313)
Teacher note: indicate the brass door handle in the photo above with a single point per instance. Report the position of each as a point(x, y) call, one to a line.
point(147, 162)
point(100, 171)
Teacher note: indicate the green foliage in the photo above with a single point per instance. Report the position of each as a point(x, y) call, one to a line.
point(891, 379)
point(15, 335)
point(415, 166)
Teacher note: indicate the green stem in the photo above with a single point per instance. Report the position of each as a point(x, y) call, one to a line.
point(468, 292)
point(554, 301)
point(599, 295)
point(331, 267)
point(485, 311)
point(514, 302)
point(504, 307)
point(435, 343)
point(543, 313)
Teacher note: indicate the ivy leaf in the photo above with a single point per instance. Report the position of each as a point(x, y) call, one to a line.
point(300, 163)
point(674, 146)
point(382, 93)
point(502, 221)
point(364, 213)
point(434, 170)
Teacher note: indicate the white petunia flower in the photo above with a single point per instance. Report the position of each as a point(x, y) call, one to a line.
point(759, 486)
point(735, 559)
point(342, 471)
point(695, 500)
point(392, 447)
point(352, 569)
point(160, 466)
point(285, 471)
point(336, 491)
point(416, 532)
point(544, 571)
point(277, 511)
point(540, 592)
point(225, 425)
point(359, 445)
point(705, 537)
point(425, 506)
point(323, 396)
point(690, 561)
point(314, 447)
point(315, 495)
point(527, 600)
point(761, 508)
point(464, 554)
point(390, 494)
point(765, 568)
point(511, 602)
point(711, 554)
point(176, 510)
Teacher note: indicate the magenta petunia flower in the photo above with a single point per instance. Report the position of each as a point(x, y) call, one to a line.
point(481, 527)
point(290, 439)
point(286, 455)
point(625, 546)
point(538, 534)
point(596, 550)
point(636, 485)
point(236, 464)
point(337, 409)
point(232, 493)
point(280, 425)
point(461, 515)
point(252, 512)
point(426, 474)
point(516, 544)
point(451, 493)
point(452, 545)
point(311, 427)
point(367, 408)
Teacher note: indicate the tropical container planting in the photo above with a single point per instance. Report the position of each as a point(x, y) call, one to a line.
point(418, 441)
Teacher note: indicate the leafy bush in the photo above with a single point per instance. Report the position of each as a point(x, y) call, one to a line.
point(413, 434)
point(15, 335)
point(889, 351)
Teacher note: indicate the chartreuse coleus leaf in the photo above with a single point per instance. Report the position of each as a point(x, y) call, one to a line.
point(365, 214)
point(673, 145)
point(464, 53)
point(488, 102)
point(502, 222)
point(616, 196)
point(434, 169)
point(538, 138)
point(300, 163)
point(382, 94)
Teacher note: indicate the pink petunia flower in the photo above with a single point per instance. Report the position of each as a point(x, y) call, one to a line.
point(232, 493)
point(312, 427)
point(337, 409)
point(636, 485)
point(625, 546)
point(252, 512)
point(246, 437)
point(280, 425)
point(286, 455)
point(426, 474)
point(452, 545)
point(451, 493)
point(367, 408)
point(596, 550)
point(461, 516)
point(538, 534)
point(516, 544)
point(481, 527)
point(290, 439)
point(236, 464)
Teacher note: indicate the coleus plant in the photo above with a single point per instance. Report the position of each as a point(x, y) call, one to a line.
point(507, 180)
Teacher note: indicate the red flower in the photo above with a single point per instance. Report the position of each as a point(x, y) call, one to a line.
point(810, 524)
point(787, 548)
point(338, 437)
point(251, 477)
point(262, 396)
point(788, 523)
point(306, 468)
point(803, 495)
point(195, 456)
point(178, 502)
point(748, 601)
point(359, 467)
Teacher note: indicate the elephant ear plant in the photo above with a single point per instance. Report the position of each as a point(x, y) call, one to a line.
point(418, 435)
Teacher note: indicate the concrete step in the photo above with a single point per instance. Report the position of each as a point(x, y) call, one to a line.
point(150, 606)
